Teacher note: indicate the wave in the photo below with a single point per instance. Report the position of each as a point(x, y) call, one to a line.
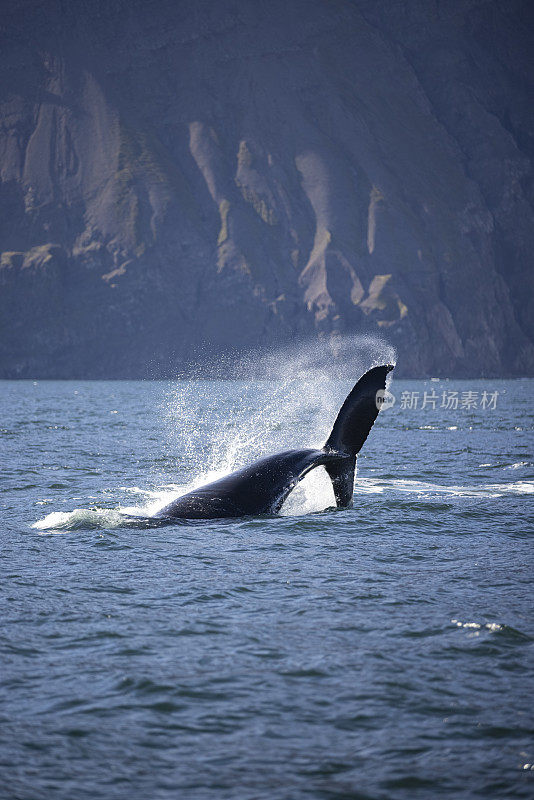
point(426, 489)
point(313, 494)
point(81, 519)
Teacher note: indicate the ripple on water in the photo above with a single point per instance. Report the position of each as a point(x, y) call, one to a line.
point(310, 655)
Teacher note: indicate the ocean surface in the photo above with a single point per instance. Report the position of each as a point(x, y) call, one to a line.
point(386, 651)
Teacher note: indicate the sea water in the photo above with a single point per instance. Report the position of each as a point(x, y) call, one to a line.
point(385, 651)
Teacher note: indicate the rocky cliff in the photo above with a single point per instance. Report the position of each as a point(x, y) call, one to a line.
point(197, 176)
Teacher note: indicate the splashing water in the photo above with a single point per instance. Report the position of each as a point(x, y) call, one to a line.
point(213, 427)
point(218, 434)
point(211, 432)
point(296, 409)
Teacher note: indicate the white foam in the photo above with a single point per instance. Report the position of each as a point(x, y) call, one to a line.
point(314, 493)
point(520, 487)
point(426, 489)
point(80, 518)
point(477, 627)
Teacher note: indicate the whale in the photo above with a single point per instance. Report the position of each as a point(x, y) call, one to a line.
point(262, 487)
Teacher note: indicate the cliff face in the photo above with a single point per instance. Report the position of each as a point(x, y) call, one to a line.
point(185, 177)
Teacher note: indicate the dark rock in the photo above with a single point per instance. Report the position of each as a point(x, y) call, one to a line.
point(183, 179)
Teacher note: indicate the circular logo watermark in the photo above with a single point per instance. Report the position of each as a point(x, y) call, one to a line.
point(384, 399)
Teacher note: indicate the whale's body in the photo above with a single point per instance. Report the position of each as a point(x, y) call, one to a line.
point(262, 487)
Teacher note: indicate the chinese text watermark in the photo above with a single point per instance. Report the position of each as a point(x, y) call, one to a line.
point(446, 399)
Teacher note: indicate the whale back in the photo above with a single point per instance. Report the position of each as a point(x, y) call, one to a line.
point(260, 488)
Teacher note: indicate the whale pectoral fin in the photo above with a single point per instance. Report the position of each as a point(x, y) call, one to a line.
point(341, 473)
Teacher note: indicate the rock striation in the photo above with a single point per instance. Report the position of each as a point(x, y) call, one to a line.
point(185, 179)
